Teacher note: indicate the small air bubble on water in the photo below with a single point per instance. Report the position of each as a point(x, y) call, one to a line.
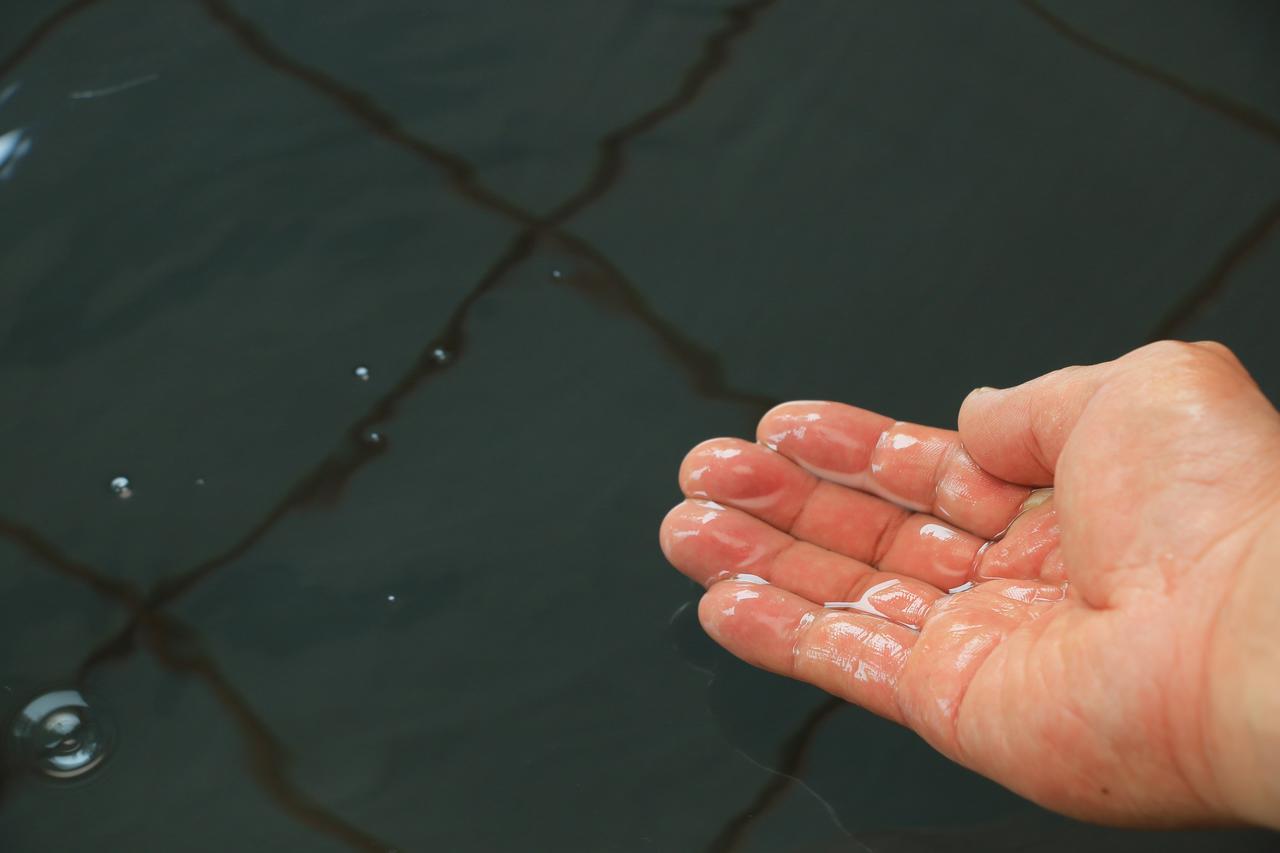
point(440, 354)
point(557, 274)
point(199, 481)
point(391, 598)
point(373, 437)
point(362, 373)
point(120, 486)
point(60, 735)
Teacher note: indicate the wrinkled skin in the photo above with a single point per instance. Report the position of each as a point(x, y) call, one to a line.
point(1118, 655)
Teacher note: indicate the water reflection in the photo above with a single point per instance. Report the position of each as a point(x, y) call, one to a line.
point(14, 145)
point(58, 735)
point(86, 94)
point(600, 283)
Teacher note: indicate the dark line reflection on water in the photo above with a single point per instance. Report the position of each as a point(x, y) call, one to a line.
point(173, 643)
point(598, 279)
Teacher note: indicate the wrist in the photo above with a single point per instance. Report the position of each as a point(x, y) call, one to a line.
point(1243, 731)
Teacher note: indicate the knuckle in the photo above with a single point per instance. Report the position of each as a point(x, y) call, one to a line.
point(1189, 357)
point(1181, 373)
point(1166, 352)
point(1222, 351)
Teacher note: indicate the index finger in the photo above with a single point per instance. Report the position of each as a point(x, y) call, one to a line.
point(922, 468)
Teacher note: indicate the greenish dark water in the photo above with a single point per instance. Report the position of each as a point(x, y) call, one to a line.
point(567, 240)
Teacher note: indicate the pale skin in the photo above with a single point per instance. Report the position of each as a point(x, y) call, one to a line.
point(1117, 658)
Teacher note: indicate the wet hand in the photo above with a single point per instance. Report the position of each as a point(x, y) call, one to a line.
point(1077, 593)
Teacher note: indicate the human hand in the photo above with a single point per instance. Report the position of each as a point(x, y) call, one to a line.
point(1117, 657)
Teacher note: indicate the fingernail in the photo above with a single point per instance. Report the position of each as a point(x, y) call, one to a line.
point(1036, 498)
point(745, 578)
point(716, 578)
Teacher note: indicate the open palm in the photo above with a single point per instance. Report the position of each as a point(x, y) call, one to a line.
point(1078, 644)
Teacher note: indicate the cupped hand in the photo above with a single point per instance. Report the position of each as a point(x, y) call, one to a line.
point(1076, 594)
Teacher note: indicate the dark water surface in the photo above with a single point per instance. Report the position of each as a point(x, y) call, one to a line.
point(568, 240)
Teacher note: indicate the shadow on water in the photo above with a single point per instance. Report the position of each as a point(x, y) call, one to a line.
point(1193, 304)
point(41, 32)
point(1198, 299)
point(1233, 110)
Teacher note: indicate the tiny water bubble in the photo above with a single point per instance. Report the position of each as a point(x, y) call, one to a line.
point(391, 599)
point(373, 437)
point(60, 736)
point(440, 354)
point(199, 481)
point(362, 373)
point(557, 274)
point(121, 488)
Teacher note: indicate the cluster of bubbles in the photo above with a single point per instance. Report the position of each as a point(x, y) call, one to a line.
point(123, 489)
point(56, 732)
point(439, 354)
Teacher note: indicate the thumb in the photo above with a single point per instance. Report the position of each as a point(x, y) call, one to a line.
point(1018, 433)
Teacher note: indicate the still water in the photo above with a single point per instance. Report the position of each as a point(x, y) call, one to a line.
point(348, 351)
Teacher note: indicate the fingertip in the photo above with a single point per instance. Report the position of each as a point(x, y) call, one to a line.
point(754, 621)
point(699, 460)
point(982, 395)
point(780, 421)
point(706, 444)
point(683, 520)
point(665, 530)
point(973, 416)
point(791, 404)
point(716, 605)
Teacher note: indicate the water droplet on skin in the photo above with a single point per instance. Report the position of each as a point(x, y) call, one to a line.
point(440, 354)
point(362, 373)
point(120, 486)
point(864, 604)
point(60, 735)
point(901, 441)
